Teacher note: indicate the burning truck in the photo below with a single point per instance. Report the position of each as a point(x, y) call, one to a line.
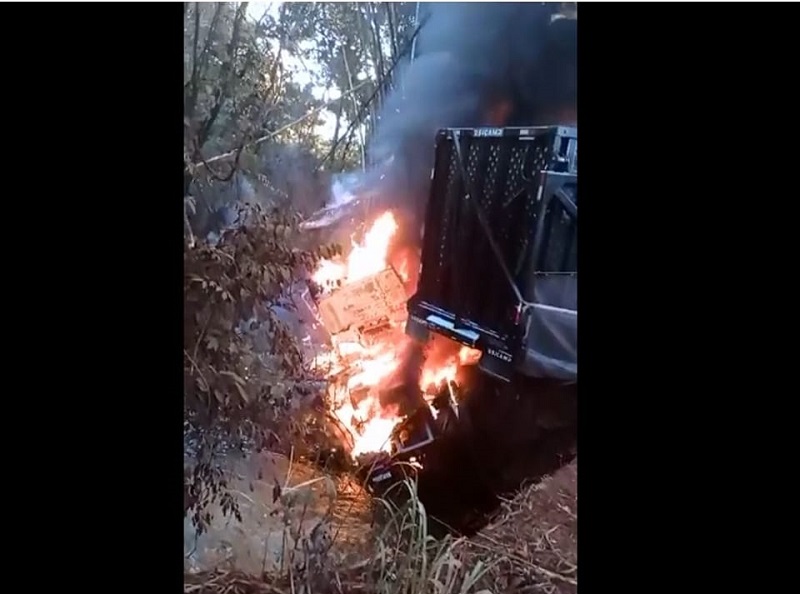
point(464, 266)
point(495, 287)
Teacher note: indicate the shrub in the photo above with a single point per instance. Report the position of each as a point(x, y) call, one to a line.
point(238, 391)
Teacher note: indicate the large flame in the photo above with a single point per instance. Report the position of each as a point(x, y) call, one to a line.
point(355, 400)
point(366, 258)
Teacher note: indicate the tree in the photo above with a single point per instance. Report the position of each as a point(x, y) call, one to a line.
point(235, 91)
point(250, 129)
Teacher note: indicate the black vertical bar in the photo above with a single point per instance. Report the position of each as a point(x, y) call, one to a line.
point(495, 296)
point(570, 238)
point(431, 266)
point(450, 192)
point(538, 238)
point(475, 283)
point(461, 246)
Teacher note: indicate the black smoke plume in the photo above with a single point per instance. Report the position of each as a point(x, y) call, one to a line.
point(511, 64)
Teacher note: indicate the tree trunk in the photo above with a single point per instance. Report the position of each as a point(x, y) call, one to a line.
point(391, 17)
point(199, 61)
point(336, 130)
point(226, 76)
point(355, 108)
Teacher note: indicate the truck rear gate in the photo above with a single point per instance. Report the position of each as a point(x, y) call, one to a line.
point(499, 259)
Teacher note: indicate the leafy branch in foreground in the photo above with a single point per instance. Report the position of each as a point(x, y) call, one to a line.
point(243, 368)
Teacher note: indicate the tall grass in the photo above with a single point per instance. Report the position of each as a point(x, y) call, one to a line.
point(408, 560)
point(397, 556)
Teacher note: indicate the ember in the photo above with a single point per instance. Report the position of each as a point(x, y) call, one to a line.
point(363, 306)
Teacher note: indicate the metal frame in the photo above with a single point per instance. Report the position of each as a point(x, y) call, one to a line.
point(499, 199)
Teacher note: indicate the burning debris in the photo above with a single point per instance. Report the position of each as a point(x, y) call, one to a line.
point(389, 396)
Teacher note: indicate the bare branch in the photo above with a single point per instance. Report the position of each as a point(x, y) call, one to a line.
point(280, 130)
point(382, 84)
point(215, 175)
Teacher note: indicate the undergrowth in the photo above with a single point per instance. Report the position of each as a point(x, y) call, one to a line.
point(398, 556)
point(244, 370)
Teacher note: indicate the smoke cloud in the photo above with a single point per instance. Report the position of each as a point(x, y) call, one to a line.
point(477, 64)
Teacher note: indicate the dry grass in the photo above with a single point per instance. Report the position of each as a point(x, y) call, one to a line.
point(530, 547)
point(535, 538)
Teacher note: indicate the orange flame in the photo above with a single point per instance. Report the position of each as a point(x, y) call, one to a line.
point(355, 403)
point(433, 376)
point(369, 424)
point(365, 258)
point(468, 356)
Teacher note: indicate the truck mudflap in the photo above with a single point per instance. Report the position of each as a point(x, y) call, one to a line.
point(501, 221)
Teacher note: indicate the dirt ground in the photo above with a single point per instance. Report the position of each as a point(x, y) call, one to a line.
point(536, 536)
